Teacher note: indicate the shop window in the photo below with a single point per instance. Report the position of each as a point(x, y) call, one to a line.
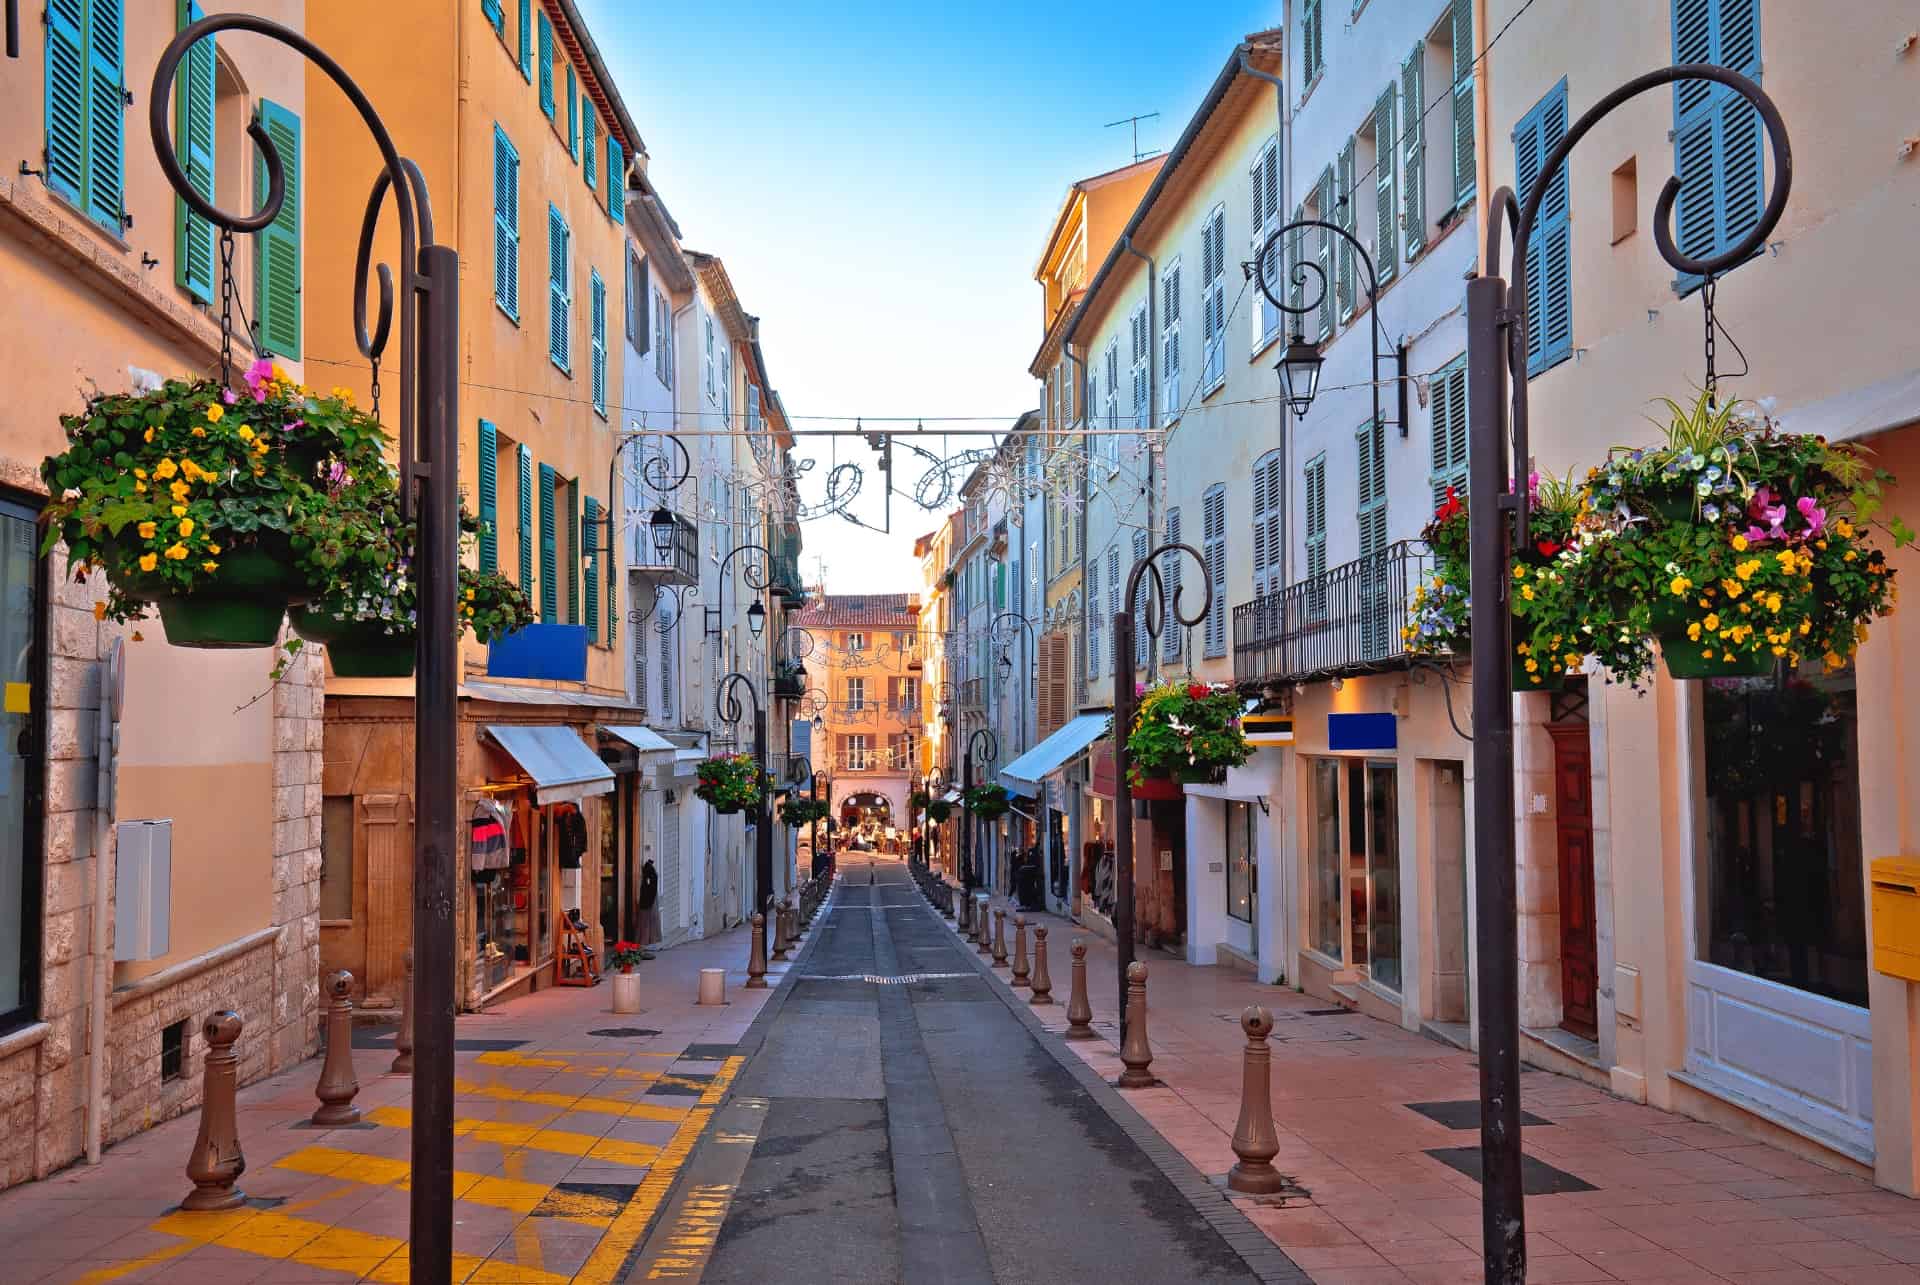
point(21, 593)
point(336, 857)
point(1327, 878)
point(1781, 868)
point(1241, 846)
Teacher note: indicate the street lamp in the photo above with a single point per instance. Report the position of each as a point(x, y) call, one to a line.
point(758, 574)
point(985, 753)
point(726, 701)
point(756, 618)
point(1300, 366)
point(1300, 373)
point(661, 526)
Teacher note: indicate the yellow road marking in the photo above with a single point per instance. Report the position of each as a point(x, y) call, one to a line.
point(509, 1193)
point(379, 1258)
point(537, 1062)
point(571, 1101)
point(102, 1274)
point(534, 1137)
point(526, 1236)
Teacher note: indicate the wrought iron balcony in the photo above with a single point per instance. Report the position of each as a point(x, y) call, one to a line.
point(789, 680)
point(785, 580)
point(1345, 621)
point(680, 565)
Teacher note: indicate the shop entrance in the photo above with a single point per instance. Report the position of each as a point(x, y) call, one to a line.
point(1573, 828)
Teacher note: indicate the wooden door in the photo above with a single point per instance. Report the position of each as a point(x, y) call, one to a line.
point(1573, 819)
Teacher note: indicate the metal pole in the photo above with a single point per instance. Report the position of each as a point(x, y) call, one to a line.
point(1502, 1201)
point(436, 723)
point(763, 840)
point(1122, 808)
point(966, 818)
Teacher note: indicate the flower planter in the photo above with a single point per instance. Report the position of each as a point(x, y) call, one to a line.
point(241, 605)
point(626, 992)
point(1159, 788)
point(1203, 774)
point(357, 648)
point(1546, 682)
point(1686, 659)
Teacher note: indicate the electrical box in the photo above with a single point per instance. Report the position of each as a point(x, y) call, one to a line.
point(142, 889)
point(1896, 917)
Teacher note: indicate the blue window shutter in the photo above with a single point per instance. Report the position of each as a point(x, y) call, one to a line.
point(590, 144)
point(506, 224)
point(66, 147)
point(106, 114)
point(549, 551)
point(276, 277)
point(573, 551)
point(616, 179)
point(524, 459)
point(546, 65)
point(591, 548)
point(1549, 284)
point(597, 305)
point(1718, 141)
point(573, 113)
point(489, 503)
point(559, 293)
point(496, 16)
point(193, 134)
point(526, 44)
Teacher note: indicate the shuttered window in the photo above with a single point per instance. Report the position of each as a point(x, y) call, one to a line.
point(86, 107)
point(1323, 250)
point(639, 301)
point(1346, 218)
point(1718, 142)
point(1449, 430)
point(559, 291)
point(193, 134)
point(572, 563)
point(590, 552)
point(524, 514)
point(1138, 607)
point(1413, 151)
point(1371, 504)
point(1264, 182)
point(597, 302)
point(1214, 548)
point(546, 64)
point(573, 113)
point(1549, 283)
point(1213, 300)
point(1171, 565)
point(1113, 601)
point(496, 15)
point(489, 501)
point(1316, 537)
point(1312, 41)
point(549, 550)
point(1170, 343)
point(1094, 622)
point(276, 272)
point(1386, 207)
point(1141, 353)
point(1269, 495)
point(589, 144)
point(610, 572)
point(616, 179)
point(506, 224)
point(1463, 59)
point(526, 39)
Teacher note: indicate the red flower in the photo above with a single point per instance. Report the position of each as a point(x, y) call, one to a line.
point(1450, 507)
point(1547, 548)
point(1198, 691)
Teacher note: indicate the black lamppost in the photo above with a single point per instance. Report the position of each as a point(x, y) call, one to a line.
point(1497, 520)
point(984, 746)
point(1299, 365)
point(758, 574)
point(726, 701)
point(429, 310)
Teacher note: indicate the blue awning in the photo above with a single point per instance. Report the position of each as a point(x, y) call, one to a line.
point(1024, 774)
point(563, 768)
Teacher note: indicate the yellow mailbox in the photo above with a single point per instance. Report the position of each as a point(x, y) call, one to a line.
point(1896, 917)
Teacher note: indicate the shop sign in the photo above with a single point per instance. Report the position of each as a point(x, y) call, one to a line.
point(1362, 732)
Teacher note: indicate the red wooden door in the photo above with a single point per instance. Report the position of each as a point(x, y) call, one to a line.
point(1573, 814)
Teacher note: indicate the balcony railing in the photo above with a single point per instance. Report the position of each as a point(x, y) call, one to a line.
point(1346, 621)
point(679, 565)
point(785, 579)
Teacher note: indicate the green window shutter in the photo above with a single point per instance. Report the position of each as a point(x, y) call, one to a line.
point(1310, 49)
point(1323, 252)
point(610, 568)
point(1449, 431)
point(549, 551)
point(597, 305)
point(590, 144)
point(559, 293)
point(506, 224)
point(589, 572)
point(1549, 283)
point(489, 502)
point(106, 114)
point(276, 277)
point(1718, 141)
point(1345, 215)
point(1413, 168)
point(573, 550)
point(524, 459)
point(193, 134)
point(1463, 165)
point(546, 65)
point(526, 45)
point(616, 179)
point(1386, 238)
point(496, 16)
point(66, 146)
point(573, 113)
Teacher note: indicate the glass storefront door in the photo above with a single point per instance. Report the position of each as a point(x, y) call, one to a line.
point(1328, 878)
point(19, 761)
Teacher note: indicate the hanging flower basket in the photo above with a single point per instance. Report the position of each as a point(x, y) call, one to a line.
point(1187, 731)
point(795, 813)
point(731, 784)
point(938, 810)
point(358, 648)
point(987, 801)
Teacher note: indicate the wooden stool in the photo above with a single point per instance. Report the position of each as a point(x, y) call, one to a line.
point(575, 964)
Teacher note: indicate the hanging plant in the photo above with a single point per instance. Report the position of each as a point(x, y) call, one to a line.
point(795, 813)
point(987, 801)
point(209, 504)
point(938, 810)
point(1188, 731)
point(918, 800)
point(732, 783)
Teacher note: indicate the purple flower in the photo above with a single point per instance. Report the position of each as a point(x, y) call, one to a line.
point(228, 396)
point(1814, 515)
point(257, 376)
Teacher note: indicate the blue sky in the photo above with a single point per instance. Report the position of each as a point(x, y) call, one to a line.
point(879, 178)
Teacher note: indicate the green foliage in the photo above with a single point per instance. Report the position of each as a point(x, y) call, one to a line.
point(1186, 729)
point(986, 801)
point(732, 783)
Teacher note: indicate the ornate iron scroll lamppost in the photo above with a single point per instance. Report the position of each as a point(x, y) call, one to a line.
point(983, 746)
point(1299, 366)
point(1123, 719)
point(758, 575)
point(726, 701)
point(429, 493)
point(1497, 351)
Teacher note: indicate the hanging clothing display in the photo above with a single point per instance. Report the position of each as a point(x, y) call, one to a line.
point(572, 836)
point(487, 840)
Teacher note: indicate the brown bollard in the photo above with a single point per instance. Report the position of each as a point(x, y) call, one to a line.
point(1020, 952)
point(983, 925)
point(1254, 1139)
point(757, 955)
point(779, 931)
point(337, 1081)
point(963, 921)
point(215, 1163)
point(1042, 982)
point(946, 900)
point(403, 1042)
point(1079, 1012)
point(1000, 937)
point(1134, 1051)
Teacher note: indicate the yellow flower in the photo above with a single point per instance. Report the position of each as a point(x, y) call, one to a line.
point(179, 490)
point(1519, 573)
point(139, 472)
point(1713, 621)
point(186, 526)
point(140, 487)
point(179, 510)
point(1746, 569)
point(146, 530)
point(1806, 626)
point(176, 551)
point(1680, 585)
point(209, 565)
point(1693, 631)
point(99, 611)
point(1778, 650)
point(1848, 556)
point(246, 433)
point(215, 413)
point(1522, 649)
point(1532, 665)
point(1526, 591)
point(147, 436)
point(148, 562)
point(469, 595)
point(1844, 529)
point(259, 448)
point(198, 431)
point(165, 469)
point(1739, 543)
point(213, 549)
point(1773, 602)
point(1786, 559)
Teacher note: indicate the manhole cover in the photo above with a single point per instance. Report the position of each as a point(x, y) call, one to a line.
point(623, 1032)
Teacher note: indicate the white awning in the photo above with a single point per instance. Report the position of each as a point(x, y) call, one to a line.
point(1024, 774)
point(563, 768)
point(951, 796)
point(643, 739)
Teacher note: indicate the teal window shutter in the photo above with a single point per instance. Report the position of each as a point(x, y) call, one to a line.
point(573, 551)
point(524, 527)
point(616, 179)
point(496, 15)
point(546, 65)
point(1549, 284)
point(85, 107)
point(1386, 208)
point(526, 43)
point(66, 159)
point(573, 113)
point(549, 551)
point(559, 292)
point(591, 549)
point(1413, 142)
point(506, 224)
point(193, 134)
point(489, 502)
point(1718, 142)
point(1464, 177)
point(611, 570)
point(590, 143)
point(276, 254)
point(1449, 400)
point(598, 316)
point(106, 114)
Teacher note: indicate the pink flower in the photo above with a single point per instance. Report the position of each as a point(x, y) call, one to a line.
point(1139, 689)
point(1814, 516)
point(228, 396)
point(257, 376)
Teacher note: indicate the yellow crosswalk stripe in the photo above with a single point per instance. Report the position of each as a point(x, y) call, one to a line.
point(510, 1060)
point(534, 1137)
point(315, 1244)
point(481, 1189)
point(571, 1101)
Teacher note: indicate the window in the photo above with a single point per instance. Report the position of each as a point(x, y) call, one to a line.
point(571, 558)
point(856, 642)
point(1094, 621)
point(1241, 847)
point(526, 39)
point(1213, 301)
point(1264, 183)
point(1371, 506)
point(1346, 216)
point(707, 363)
point(1138, 607)
point(589, 144)
point(1316, 537)
point(589, 579)
point(1319, 206)
point(1549, 283)
point(1328, 878)
point(1213, 549)
point(1626, 199)
point(22, 651)
point(858, 752)
point(639, 300)
point(1170, 342)
point(1413, 151)
point(1113, 601)
point(663, 348)
point(194, 130)
point(1170, 565)
point(1312, 42)
point(546, 64)
point(173, 1050)
point(597, 305)
point(573, 114)
point(1718, 143)
point(336, 858)
point(559, 291)
point(549, 548)
point(1461, 35)
point(506, 225)
point(753, 408)
point(1141, 353)
point(616, 179)
point(1111, 408)
point(1449, 430)
point(496, 15)
point(524, 525)
point(487, 465)
point(1386, 208)
point(1269, 500)
point(85, 107)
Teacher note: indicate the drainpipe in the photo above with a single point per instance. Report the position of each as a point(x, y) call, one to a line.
point(102, 875)
point(1284, 155)
point(1080, 519)
point(1153, 420)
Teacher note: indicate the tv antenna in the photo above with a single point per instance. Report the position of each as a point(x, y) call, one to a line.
point(1134, 121)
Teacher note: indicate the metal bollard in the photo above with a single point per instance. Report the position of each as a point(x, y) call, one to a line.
point(1254, 1138)
point(983, 924)
point(403, 1042)
point(1079, 1012)
point(1042, 981)
point(757, 955)
point(337, 1081)
point(963, 922)
point(216, 1163)
point(946, 900)
point(1134, 1051)
point(1020, 952)
point(779, 931)
point(1000, 937)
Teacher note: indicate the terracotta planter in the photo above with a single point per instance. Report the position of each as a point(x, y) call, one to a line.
point(626, 992)
point(1159, 788)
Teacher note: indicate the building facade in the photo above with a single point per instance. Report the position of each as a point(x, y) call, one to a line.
point(866, 660)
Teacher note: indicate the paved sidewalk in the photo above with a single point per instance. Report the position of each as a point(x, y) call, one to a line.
point(1639, 1194)
point(571, 1122)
